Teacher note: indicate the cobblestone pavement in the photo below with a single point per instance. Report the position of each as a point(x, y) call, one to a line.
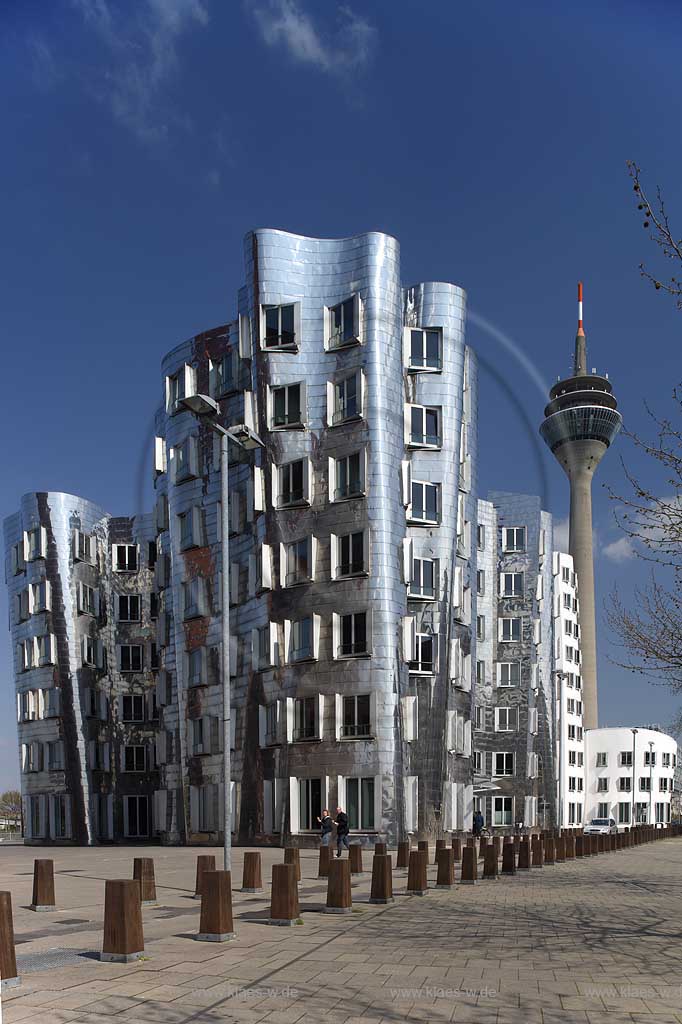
point(592, 941)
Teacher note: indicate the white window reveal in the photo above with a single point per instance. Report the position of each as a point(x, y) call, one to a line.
point(424, 347)
point(280, 326)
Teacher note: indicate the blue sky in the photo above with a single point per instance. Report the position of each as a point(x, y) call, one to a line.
point(141, 140)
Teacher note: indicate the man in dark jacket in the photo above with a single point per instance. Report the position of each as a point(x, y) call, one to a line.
point(478, 823)
point(342, 830)
point(326, 825)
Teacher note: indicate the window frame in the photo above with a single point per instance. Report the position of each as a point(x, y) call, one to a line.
point(291, 344)
point(421, 365)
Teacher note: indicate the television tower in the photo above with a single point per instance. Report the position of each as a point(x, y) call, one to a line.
point(581, 421)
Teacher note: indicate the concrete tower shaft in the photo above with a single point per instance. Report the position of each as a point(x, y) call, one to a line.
point(581, 422)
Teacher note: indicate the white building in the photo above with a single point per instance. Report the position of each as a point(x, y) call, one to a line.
point(630, 775)
point(569, 737)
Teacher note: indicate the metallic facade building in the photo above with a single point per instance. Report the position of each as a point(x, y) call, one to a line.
point(581, 422)
point(351, 561)
point(79, 582)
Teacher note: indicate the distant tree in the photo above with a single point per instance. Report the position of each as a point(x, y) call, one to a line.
point(648, 627)
point(10, 804)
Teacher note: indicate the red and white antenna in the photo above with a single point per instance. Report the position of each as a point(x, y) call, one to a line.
point(580, 308)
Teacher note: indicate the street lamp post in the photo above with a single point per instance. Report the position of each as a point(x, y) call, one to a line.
point(634, 762)
point(208, 410)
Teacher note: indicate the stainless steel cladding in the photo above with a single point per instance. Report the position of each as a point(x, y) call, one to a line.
point(350, 550)
point(79, 585)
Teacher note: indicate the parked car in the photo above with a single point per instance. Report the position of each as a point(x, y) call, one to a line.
point(601, 827)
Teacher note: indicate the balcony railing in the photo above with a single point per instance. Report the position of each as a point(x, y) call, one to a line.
point(357, 729)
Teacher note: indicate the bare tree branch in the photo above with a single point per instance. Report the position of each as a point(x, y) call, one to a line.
point(656, 219)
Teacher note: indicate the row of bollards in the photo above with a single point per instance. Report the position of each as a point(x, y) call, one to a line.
point(123, 938)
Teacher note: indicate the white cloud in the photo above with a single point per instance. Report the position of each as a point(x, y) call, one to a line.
point(284, 23)
point(43, 64)
point(141, 58)
point(620, 550)
point(561, 534)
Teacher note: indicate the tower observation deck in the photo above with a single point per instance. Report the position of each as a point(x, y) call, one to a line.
point(581, 422)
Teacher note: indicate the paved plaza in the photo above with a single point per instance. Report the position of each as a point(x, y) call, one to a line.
point(596, 940)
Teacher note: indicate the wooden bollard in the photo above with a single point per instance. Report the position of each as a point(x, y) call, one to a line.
point(417, 884)
point(560, 849)
point(612, 843)
point(423, 846)
point(338, 888)
point(550, 856)
point(579, 847)
point(123, 936)
point(8, 960)
point(517, 842)
point(284, 907)
point(469, 873)
point(292, 855)
point(216, 924)
point(445, 859)
point(355, 857)
point(569, 846)
point(524, 855)
point(457, 848)
point(490, 863)
point(497, 846)
point(483, 842)
point(252, 878)
point(143, 873)
point(380, 849)
point(205, 862)
point(325, 861)
point(440, 845)
point(537, 852)
point(382, 879)
point(403, 857)
point(43, 886)
point(508, 859)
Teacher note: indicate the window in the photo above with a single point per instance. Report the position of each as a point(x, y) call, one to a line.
point(293, 483)
point(128, 608)
point(130, 658)
point(136, 817)
point(87, 599)
point(424, 650)
point(153, 606)
point(649, 757)
point(626, 758)
point(567, 602)
point(201, 736)
point(479, 716)
point(423, 582)
point(353, 635)
point(625, 783)
point(356, 716)
point(309, 803)
point(223, 373)
point(623, 814)
point(134, 759)
point(125, 557)
point(513, 539)
point(196, 667)
point(84, 547)
point(425, 426)
point(272, 724)
point(571, 757)
point(280, 329)
point(602, 785)
point(480, 582)
point(480, 673)
point(510, 630)
point(425, 349)
point(506, 719)
point(344, 328)
point(191, 532)
point(511, 584)
point(36, 543)
point(349, 473)
point(193, 601)
point(478, 762)
point(302, 639)
point(665, 760)
point(287, 406)
point(55, 756)
point(360, 803)
point(133, 708)
point(509, 673)
point(603, 811)
point(645, 784)
point(502, 810)
point(480, 537)
point(298, 562)
point(305, 718)
point(347, 399)
point(185, 460)
point(571, 732)
point(504, 764)
point(425, 503)
point(351, 557)
point(18, 561)
point(480, 627)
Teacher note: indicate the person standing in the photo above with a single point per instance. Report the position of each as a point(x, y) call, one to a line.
point(477, 823)
point(342, 830)
point(326, 825)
